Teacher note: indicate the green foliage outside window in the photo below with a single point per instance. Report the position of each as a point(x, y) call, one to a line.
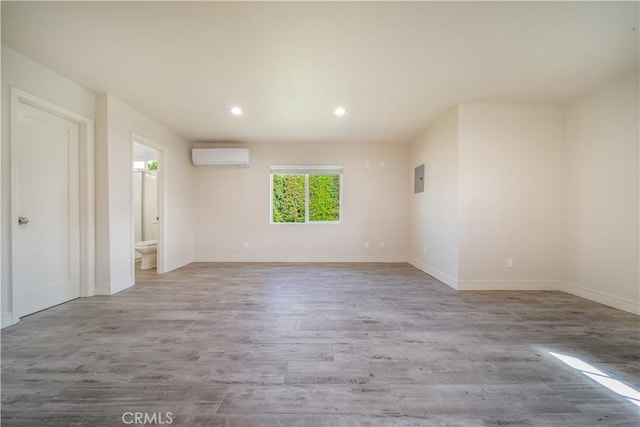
point(324, 197)
point(290, 202)
point(288, 198)
point(153, 165)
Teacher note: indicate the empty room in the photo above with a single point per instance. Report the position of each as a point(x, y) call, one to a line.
point(320, 214)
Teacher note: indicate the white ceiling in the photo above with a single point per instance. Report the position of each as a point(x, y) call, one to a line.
point(393, 65)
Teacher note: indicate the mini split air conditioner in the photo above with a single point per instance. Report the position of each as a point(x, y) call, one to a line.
point(238, 157)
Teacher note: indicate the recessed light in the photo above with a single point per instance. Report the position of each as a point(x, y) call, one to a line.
point(339, 111)
point(236, 111)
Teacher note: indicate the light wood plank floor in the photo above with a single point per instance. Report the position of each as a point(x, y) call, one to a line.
point(319, 345)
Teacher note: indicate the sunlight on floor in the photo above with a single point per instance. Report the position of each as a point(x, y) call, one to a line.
point(600, 377)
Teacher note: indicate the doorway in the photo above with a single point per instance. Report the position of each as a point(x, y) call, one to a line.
point(147, 207)
point(52, 205)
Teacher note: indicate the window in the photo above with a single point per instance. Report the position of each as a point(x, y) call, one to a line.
point(305, 194)
point(145, 164)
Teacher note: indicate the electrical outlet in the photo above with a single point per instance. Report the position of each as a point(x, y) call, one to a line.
point(424, 250)
point(509, 262)
point(366, 244)
point(381, 244)
point(366, 164)
point(245, 245)
point(382, 165)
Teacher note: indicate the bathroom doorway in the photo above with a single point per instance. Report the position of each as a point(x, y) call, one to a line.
point(147, 207)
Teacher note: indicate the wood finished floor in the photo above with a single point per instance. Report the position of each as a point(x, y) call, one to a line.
point(318, 345)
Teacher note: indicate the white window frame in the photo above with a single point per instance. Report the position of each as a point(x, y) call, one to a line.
point(306, 171)
point(139, 164)
point(142, 165)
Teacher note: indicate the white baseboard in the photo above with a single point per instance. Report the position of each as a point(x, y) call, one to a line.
point(297, 258)
point(121, 285)
point(508, 285)
point(596, 296)
point(7, 320)
point(103, 289)
point(174, 264)
point(602, 298)
point(443, 277)
point(114, 288)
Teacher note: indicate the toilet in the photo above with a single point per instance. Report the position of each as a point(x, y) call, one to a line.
point(148, 249)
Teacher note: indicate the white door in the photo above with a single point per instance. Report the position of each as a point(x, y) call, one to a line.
point(46, 230)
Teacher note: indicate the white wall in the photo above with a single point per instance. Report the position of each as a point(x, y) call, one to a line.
point(502, 180)
point(433, 214)
point(113, 193)
point(510, 195)
point(103, 266)
point(23, 73)
point(602, 195)
point(232, 207)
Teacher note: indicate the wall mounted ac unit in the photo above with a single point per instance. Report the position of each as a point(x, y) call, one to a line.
point(220, 157)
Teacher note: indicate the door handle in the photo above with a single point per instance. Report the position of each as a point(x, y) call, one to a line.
point(23, 220)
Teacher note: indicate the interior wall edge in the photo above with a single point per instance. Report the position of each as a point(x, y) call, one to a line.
point(443, 277)
point(175, 264)
point(115, 287)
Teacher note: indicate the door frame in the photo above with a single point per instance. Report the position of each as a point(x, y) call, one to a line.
point(162, 202)
point(86, 191)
